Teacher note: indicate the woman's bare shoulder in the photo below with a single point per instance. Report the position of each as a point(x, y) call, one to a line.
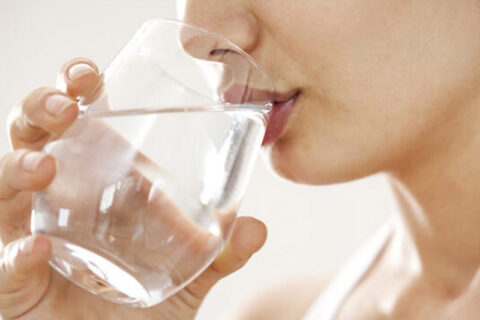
point(288, 300)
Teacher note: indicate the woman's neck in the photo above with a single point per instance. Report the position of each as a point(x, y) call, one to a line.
point(438, 202)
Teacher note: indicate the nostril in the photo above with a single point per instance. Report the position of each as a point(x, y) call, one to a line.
point(217, 52)
point(225, 56)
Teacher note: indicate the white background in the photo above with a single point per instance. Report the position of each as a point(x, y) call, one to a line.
point(312, 230)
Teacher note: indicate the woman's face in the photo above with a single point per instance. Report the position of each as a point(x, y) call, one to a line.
point(380, 81)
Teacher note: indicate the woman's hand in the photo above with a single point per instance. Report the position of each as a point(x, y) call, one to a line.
point(29, 289)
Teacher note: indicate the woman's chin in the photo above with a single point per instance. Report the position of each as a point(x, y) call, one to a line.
point(289, 163)
point(304, 166)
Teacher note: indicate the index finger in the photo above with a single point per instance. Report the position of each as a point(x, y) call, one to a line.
point(76, 78)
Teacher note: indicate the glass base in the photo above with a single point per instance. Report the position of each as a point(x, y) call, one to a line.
point(99, 275)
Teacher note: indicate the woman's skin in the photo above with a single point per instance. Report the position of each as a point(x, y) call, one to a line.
point(386, 86)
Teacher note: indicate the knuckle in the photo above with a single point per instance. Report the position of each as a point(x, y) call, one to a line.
point(29, 125)
point(9, 254)
point(8, 301)
point(11, 161)
point(9, 272)
point(24, 113)
point(36, 99)
point(9, 168)
point(6, 163)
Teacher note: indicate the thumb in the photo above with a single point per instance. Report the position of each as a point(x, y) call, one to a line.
point(248, 236)
point(24, 274)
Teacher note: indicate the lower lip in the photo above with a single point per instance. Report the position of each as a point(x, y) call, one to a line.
point(277, 120)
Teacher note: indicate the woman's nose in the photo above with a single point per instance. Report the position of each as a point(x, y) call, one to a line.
point(235, 23)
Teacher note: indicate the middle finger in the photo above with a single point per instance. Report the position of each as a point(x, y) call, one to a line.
point(43, 113)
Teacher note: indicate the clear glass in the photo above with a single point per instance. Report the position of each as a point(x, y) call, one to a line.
point(150, 175)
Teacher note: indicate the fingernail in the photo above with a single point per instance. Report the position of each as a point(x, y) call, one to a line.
point(31, 161)
point(27, 245)
point(40, 244)
point(57, 103)
point(79, 70)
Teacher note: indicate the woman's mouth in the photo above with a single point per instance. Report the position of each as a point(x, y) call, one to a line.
point(278, 118)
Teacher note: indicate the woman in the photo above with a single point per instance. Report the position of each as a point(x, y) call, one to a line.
point(368, 86)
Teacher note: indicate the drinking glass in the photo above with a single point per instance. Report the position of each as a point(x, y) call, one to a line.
point(150, 175)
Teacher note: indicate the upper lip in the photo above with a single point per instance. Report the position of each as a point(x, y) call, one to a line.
point(287, 96)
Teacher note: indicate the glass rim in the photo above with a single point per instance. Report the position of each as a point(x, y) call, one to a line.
point(264, 106)
point(250, 59)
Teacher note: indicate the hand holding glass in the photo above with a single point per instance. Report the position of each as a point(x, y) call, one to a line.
point(150, 175)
